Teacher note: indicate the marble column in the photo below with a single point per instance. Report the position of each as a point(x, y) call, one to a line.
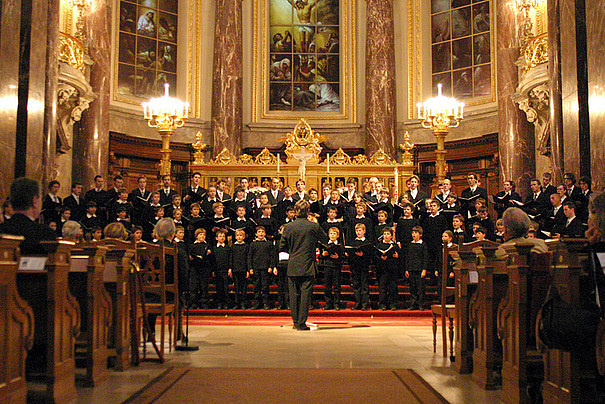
point(380, 77)
point(228, 75)
point(554, 80)
point(50, 102)
point(91, 144)
point(516, 141)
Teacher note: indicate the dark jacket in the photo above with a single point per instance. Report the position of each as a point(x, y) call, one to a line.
point(300, 240)
point(34, 233)
point(239, 257)
point(416, 257)
point(261, 255)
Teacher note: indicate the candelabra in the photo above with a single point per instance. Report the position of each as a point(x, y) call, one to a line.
point(439, 114)
point(166, 114)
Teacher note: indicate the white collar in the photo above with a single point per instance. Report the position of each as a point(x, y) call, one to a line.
point(473, 189)
point(360, 217)
point(220, 244)
point(361, 239)
point(88, 215)
point(333, 242)
point(417, 242)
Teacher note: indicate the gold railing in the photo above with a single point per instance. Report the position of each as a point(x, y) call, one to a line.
point(535, 52)
point(72, 51)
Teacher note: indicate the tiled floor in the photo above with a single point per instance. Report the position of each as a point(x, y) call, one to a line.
point(282, 347)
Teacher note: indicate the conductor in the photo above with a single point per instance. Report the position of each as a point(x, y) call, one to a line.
point(299, 241)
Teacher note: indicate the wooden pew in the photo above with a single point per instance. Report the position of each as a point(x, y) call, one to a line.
point(16, 325)
point(86, 284)
point(465, 272)
point(487, 348)
point(117, 267)
point(522, 365)
point(563, 371)
point(57, 317)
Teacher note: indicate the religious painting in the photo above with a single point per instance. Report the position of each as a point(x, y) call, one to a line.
point(304, 57)
point(147, 51)
point(461, 47)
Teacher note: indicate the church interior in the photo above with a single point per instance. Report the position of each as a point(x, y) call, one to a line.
point(99, 94)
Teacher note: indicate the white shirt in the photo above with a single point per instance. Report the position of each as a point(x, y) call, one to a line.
point(417, 242)
point(220, 244)
point(54, 198)
point(413, 193)
point(569, 221)
point(473, 189)
point(361, 239)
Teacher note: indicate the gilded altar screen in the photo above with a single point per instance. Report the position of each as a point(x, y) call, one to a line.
point(304, 66)
point(147, 47)
point(461, 47)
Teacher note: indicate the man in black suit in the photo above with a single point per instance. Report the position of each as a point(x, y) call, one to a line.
point(300, 191)
point(415, 195)
point(250, 197)
point(193, 193)
point(299, 241)
point(573, 191)
point(75, 202)
point(556, 215)
point(537, 203)
point(469, 195)
point(52, 203)
point(140, 198)
point(27, 204)
point(547, 187)
point(351, 189)
point(572, 227)
point(222, 196)
point(505, 199)
point(166, 193)
point(99, 196)
point(274, 194)
point(445, 191)
point(112, 194)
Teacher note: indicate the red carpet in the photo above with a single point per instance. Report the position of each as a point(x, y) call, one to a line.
point(323, 322)
point(322, 313)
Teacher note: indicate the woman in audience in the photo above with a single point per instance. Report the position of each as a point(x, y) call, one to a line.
point(72, 231)
point(116, 230)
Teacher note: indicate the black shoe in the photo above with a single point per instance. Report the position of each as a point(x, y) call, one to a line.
point(243, 306)
point(266, 307)
point(393, 308)
point(256, 306)
point(327, 307)
point(303, 328)
point(383, 307)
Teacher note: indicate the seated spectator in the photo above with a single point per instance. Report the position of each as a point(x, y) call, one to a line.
point(516, 225)
point(26, 202)
point(72, 231)
point(116, 230)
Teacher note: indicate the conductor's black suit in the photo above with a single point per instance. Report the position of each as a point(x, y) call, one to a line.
point(300, 240)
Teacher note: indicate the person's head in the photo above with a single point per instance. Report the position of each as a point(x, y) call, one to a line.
point(405, 198)
point(480, 202)
point(475, 228)
point(447, 185)
point(91, 207)
point(72, 230)
point(65, 213)
point(266, 210)
point(378, 188)
point(413, 182)
point(480, 233)
point(452, 198)
point(351, 185)
point(457, 221)
point(123, 194)
point(427, 204)
point(159, 211)
point(142, 181)
point(76, 188)
point(384, 194)
point(360, 208)
point(447, 237)
point(25, 196)
point(240, 235)
point(313, 195)
point(500, 225)
point(165, 229)
point(137, 233)
point(569, 208)
point(260, 232)
point(302, 208)
point(291, 213)
point(596, 219)
point(221, 185)
point(372, 181)
point(472, 179)
point(435, 206)
point(243, 182)
point(221, 236)
point(241, 211)
point(96, 233)
point(482, 212)
point(300, 185)
point(382, 216)
point(416, 233)
point(166, 180)
point(555, 199)
point(584, 183)
point(53, 225)
point(177, 214)
point(116, 230)
point(546, 179)
point(195, 209)
point(155, 198)
point(176, 200)
point(218, 208)
point(569, 179)
point(357, 198)
point(99, 181)
point(535, 226)
point(516, 222)
point(287, 191)
point(53, 187)
point(275, 181)
point(332, 213)
point(211, 191)
point(263, 199)
point(509, 186)
point(121, 212)
point(335, 195)
point(195, 178)
point(561, 190)
point(408, 208)
point(333, 233)
point(326, 189)
point(200, 235)
point(387, 234)
point(531, 234)
point(179, 232)
point(535, 186)
point(360, 230)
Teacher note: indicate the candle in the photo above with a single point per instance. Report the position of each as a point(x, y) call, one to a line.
point(328, 163)
point(396, 191)
point(278, 161)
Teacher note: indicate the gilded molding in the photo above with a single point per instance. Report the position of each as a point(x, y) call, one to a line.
point(72, 52)
point(535, 52)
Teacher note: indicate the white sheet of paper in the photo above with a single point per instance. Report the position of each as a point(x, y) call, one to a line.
point(284, 256)
point(473, 277)
point(32, 263)
point(601, 257)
